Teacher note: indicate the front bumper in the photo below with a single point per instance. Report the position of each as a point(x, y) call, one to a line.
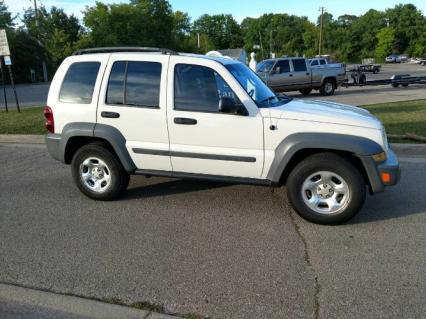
point(376, 171)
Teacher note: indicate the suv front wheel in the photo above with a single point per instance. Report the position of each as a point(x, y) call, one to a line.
point(325, 188)
point(98, 173)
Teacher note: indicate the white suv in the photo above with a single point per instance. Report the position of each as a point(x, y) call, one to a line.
point(114, 112)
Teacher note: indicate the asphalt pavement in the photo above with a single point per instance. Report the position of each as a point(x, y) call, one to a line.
point(216, 250)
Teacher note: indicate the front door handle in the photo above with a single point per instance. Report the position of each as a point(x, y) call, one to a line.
point(185, 121)
point(290, 75)
point(111, 115)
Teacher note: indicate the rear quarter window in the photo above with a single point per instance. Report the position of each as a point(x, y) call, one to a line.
point(79, 83)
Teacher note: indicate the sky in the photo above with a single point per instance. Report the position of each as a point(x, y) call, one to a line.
point(239, 8)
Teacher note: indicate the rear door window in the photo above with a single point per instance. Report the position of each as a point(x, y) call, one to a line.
point(79, 83)
point(299, 65)
point(134, 83)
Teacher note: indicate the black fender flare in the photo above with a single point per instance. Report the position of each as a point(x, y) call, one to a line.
point(102, 131)
point(359, 146)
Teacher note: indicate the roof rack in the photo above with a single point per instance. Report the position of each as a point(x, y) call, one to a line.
point(124, 49)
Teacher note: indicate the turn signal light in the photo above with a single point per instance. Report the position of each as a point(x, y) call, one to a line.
point(386, 177)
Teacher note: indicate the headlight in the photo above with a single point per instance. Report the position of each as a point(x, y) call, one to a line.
point(379, 158)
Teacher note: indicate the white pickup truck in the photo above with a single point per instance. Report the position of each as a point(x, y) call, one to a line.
point(116, 112)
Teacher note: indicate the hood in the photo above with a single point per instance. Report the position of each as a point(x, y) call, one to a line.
point(325, 112)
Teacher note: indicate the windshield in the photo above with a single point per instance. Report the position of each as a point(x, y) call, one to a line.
point(265, 66)
point(261, 94)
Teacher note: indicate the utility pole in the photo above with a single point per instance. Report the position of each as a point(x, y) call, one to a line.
point(321, 28)
point(45, 77)
point(35, 12)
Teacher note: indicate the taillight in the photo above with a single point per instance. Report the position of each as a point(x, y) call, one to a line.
point(49, 123)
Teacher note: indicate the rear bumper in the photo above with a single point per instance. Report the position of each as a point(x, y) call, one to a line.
point(54, 146)
point(375, 172)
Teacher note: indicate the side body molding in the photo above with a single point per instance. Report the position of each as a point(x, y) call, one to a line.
point(357, 145)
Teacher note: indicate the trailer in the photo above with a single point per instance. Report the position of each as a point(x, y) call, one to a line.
point(404, 80)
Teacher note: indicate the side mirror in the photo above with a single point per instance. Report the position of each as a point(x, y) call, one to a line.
point(228, 105)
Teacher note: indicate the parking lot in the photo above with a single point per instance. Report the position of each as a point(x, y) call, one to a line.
point(377, 94)
point(216, 250)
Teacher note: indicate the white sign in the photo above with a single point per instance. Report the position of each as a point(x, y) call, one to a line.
point(7, 60)
point(4, 45)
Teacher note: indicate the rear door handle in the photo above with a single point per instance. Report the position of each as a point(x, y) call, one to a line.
point(290, 75)
point(111, 115)
point(185, 121)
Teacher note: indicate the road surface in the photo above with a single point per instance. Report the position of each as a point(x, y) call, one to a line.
point(217, 250)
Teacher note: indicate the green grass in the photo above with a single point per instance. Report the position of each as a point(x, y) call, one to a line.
point(398, 117)
point(402, 117)
point(29, 121)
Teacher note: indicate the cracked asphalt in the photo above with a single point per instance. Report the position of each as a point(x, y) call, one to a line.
point(217, 250)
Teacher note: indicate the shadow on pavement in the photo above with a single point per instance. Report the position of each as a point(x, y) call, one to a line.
point(405, 199)
point(402, 200)
point(169, 187)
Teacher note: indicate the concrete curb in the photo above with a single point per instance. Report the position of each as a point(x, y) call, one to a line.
point(21, 139)
point(399, 148)
point(74, 305)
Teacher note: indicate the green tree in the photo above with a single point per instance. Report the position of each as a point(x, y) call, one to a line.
point(182, 32)
point(282, 34)
point(27, 55)
point(56, 32)
point(221, 29)
point(6, 19)
point(138, 23)
point(408, 23)
point(386, 42)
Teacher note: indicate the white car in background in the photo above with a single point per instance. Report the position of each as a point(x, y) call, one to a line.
point(393, 58)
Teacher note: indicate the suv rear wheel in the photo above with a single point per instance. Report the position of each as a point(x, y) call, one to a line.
point(98, 173)
point(326, 189)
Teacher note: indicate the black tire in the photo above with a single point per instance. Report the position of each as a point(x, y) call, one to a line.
point(395, 85)
point(405, 85)
point(328, 87)
point(338, 165)
point(119, 178)
point(305, 91)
